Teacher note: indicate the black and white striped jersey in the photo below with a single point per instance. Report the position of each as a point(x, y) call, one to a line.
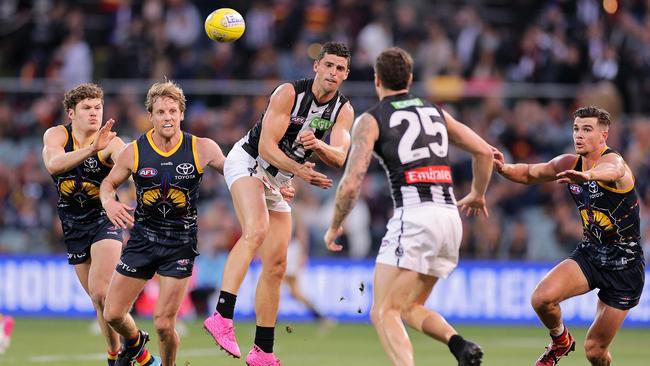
point(412, 147)
point(306, 114)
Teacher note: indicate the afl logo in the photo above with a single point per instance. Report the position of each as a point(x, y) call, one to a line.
point(90, 163)
point(575, 189)
point(185, 169)
point(148, 172)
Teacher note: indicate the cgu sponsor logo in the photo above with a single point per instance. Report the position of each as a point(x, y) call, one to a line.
point(148, 172)
point(428, 174)
point(319, 123)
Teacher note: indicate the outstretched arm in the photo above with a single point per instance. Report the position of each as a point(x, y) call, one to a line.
point(274, 124)
point(55, 158)
point(532, 173)
point(210, 154)
point(335, 153)
point(465, 138)
point(610, 168)
point(364, 134)
point(118, 212)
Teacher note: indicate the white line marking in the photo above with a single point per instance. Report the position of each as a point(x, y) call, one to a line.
point(196, 352)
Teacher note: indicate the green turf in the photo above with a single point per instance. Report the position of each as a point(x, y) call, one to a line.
point(70, 343)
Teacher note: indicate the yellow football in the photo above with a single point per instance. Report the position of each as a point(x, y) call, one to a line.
point(224, 25)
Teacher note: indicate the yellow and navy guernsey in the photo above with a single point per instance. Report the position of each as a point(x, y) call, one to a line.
point(306, 115)
point(167, 189)
point(79, 205)
point(610, 221)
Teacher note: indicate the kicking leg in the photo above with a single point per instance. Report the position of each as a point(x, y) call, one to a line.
point(601, 333)
point(273, 253)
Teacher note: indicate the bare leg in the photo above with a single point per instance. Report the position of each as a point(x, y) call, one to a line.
point(395, 293)
point(250, 206)
point(172, 292)
point(295, 291)
point(95, 276)
point(274, 260)
point(564, 281)
point(601, 333)
point(122, 292)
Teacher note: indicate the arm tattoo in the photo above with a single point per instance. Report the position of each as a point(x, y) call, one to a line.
point(355, 171)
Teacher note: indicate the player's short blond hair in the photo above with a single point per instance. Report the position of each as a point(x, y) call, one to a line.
point(81, 92)
point(168, 89)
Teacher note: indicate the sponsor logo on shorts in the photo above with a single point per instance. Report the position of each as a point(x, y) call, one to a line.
point(77, 255)
point(575, 189)
point(148, 172)
point(399, 251)
point(183, 262)
point(126, 267)
point(428, 174)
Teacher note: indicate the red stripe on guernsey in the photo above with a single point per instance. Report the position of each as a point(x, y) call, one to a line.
point(144, 357)
point(428, 174)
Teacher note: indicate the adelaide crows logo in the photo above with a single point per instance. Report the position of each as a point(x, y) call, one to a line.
point(79, 191)
point(165, 199)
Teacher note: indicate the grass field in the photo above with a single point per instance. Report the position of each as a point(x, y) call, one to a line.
point(70, 343)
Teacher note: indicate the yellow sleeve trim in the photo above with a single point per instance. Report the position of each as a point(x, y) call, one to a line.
point(196, 156)
point(575, 164)
point(136, 157)
point(67, 135)
point(622, 191)
point(99, 156)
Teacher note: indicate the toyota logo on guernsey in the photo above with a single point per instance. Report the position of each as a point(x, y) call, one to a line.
point(185, 169)
point(148, 172)
point(90, 163)
point(428, 174)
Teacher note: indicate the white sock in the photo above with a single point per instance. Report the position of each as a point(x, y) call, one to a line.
point(556, 332)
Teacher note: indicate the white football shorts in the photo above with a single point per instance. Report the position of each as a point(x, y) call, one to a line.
point(424, 238)
point(240, 164)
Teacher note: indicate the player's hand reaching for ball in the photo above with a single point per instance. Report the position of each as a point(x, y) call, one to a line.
point(119, 213)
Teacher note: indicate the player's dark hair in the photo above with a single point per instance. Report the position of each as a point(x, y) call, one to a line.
point(81, 92)
point(602, 115)
point(394, 67)
point(335, 48)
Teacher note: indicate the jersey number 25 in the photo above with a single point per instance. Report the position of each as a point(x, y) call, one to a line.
point(416, 122)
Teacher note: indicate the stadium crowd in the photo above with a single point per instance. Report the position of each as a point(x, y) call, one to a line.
point(605, 55)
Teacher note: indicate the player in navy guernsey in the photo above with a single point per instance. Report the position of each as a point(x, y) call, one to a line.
point(299, 115)
point(410, 137)
point(79, 155)
point(167, 166)
point(609, 257)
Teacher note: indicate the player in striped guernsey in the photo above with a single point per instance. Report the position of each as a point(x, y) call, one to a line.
point(79, 155)
point(411, 138)
point(609, 257)
point(167, 166)
point(299, 115)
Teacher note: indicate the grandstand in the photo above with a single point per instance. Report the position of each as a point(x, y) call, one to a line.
point(512, 70)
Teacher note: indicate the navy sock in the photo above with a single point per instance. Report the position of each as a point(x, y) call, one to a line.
point(456, 344)
point(264, 338)
point(226, 304)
